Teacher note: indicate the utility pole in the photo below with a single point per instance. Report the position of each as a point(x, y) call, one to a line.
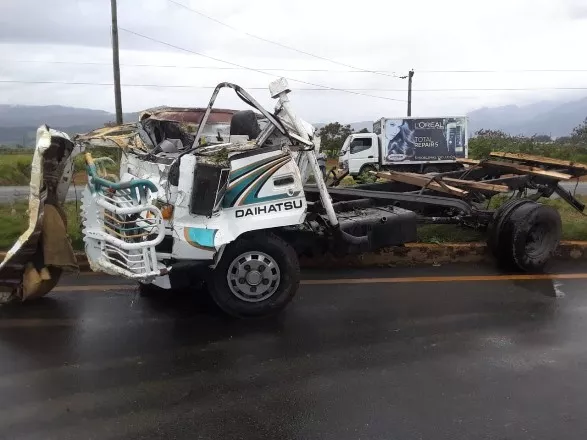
point(116, 63)
point(410, 75)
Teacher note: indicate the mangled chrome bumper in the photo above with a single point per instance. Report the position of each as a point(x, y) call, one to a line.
point(121, 228)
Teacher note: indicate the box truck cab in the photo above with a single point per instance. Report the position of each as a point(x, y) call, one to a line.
point(420, 145)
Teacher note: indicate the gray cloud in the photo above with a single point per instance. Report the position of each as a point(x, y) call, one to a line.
point(395, 36)
point(578, 11)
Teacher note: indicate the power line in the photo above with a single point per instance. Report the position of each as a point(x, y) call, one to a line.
point(507, 71)
point(274, 69)
point(266, 40)
point(306, 89)
point(175, 66)
point(252, 69)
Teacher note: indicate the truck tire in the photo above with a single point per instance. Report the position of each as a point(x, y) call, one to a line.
point(526, 236)
point(367, 169)
point(258, 275)
point(495, 230)
point(431, 169)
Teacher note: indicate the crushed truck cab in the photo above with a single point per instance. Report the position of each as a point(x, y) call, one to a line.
point(206, 194)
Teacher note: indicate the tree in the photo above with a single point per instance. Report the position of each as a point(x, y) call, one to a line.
point(486, 141)
point(332, 137)
point(542, 138)
point(579, 135)
point(364, 130)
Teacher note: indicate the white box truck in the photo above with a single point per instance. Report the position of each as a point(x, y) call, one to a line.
point(420, 145)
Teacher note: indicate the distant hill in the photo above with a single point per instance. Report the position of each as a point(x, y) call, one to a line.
point(18, 122)
point(553, 118)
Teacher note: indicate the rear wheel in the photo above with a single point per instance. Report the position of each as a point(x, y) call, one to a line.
point(258, 275)
point(525, 235)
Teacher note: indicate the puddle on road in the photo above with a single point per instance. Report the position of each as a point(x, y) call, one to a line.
point(558, 289)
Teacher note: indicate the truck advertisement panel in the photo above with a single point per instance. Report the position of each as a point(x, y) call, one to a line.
point(423, 139)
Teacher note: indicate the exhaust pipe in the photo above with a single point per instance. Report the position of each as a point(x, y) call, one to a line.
point(362, 241)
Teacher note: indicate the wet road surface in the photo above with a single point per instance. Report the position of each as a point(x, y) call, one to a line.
point(461, 354)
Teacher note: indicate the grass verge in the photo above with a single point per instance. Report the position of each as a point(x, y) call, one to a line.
point(14, 221)
point(15, 169)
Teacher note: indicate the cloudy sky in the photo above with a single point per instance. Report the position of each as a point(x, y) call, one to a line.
point(69, 42)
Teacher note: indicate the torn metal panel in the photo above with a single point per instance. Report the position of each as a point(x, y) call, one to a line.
point(23, 272)
point(125, 136)
point(186, 114)
point(219, 155)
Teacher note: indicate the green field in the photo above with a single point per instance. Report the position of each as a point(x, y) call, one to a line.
point(14, 221)
point(574, 226)
point(15, 169)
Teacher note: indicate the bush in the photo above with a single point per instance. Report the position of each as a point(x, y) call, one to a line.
point(486, 141)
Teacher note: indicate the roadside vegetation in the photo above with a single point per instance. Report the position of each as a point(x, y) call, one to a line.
point(14, 221)
point(574, 225)
point(15, 168)
point(15, 165)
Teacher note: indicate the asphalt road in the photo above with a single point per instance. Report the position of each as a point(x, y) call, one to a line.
point(455, 352)
point(9, 194)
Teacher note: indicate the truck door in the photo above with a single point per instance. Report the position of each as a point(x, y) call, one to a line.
point(363, 151)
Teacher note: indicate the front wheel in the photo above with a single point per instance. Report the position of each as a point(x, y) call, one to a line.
point(366, 169)
point(258, 275)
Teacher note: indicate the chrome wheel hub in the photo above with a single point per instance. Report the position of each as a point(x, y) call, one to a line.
point(253, 276)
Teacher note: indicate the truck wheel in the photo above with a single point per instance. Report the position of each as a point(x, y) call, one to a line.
point(258, 275)
point(495, 230)
point(431, 169)
point(527, 237)
point(366, 169)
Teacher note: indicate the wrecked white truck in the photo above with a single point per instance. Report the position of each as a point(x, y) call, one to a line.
point(219, 196)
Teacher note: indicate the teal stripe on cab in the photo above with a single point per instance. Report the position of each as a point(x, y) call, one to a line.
point(202, 236)
point(259, 168)
point(244, 170)
point(252, 196)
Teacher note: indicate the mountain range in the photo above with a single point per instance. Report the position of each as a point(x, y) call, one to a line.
point(553, 118)
point(18, 123)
